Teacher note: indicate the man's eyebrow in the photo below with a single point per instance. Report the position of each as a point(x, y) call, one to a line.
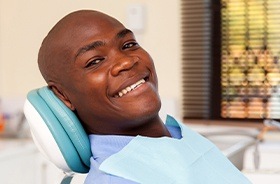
point(88, 47)
point(123, 33)
point(96, 44)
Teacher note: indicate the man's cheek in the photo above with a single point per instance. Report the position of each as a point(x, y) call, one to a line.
point(99, 78)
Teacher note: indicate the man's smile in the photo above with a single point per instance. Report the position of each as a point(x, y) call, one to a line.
point(130, 88)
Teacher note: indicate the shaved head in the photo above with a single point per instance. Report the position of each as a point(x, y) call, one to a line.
point(55, 51)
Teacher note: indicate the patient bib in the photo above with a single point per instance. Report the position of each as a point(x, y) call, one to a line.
point(189, 160)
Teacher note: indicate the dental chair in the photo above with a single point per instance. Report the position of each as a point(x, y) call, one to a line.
point(57, 132)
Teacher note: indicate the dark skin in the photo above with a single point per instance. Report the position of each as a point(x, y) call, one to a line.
point(97, 68)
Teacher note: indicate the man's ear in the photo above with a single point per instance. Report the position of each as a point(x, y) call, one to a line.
point(62, 96)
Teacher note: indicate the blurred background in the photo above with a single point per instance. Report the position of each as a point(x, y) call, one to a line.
point(217, 64)
point(25, 24)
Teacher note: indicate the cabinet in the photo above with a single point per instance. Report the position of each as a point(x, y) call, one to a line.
point(20, 162)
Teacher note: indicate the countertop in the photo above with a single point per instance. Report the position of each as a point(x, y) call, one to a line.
point(9, 147)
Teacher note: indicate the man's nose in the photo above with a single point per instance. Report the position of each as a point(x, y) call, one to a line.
point(124, 63)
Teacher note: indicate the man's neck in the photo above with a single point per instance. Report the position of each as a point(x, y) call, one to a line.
point(149, 127)
point(152, 128)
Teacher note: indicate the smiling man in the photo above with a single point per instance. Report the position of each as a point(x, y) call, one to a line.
point(96, 67)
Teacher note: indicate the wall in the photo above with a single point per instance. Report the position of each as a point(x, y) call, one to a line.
point(25, 23)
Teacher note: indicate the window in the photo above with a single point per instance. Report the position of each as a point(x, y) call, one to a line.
point(230, 58)
point(196, 44)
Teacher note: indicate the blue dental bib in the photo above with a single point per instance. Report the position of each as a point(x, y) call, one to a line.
point(192, 159)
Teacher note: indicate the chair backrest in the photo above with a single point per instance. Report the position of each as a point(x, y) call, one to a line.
point(57, 131)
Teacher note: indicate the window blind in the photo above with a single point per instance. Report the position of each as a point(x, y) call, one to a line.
point(196, 58)
point(231, 66)
point(250, 59)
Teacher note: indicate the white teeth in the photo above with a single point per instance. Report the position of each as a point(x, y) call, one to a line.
point(120, 94)
point(124, 91)
point(133, 86)
point(130, 88)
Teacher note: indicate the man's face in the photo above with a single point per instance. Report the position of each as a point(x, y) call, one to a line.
point(111, 81)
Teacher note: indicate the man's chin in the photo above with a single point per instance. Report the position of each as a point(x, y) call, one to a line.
point(148, 111)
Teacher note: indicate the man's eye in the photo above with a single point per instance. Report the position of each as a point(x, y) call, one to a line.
point(130, 45)
point(94, 62)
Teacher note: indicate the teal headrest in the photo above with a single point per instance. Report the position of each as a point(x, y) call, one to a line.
point(64, 126)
